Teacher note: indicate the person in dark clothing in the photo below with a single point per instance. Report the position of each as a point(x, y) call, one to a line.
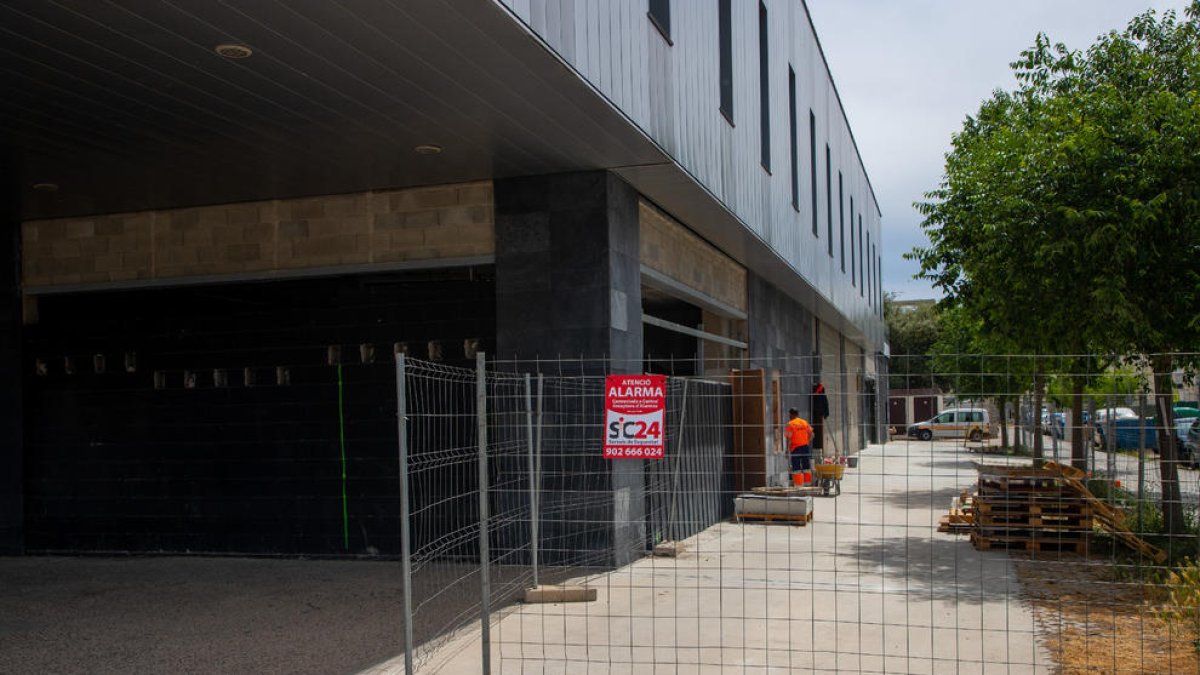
point(819, 407)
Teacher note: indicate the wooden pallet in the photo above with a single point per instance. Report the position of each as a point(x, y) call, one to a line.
point(1069, 521)
point(770, 517)
point(1024, 488)
point(1109, 519)
point(987, 543)
point(950, 525)
point(1034, 507)
point(789, 491)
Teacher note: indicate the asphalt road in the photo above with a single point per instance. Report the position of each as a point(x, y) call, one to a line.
point(196, 615)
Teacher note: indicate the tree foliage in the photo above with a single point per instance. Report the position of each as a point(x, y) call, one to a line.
point(1068, 218)
point(912, 329)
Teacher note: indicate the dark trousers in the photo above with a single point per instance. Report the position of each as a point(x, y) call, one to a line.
point(801, 459)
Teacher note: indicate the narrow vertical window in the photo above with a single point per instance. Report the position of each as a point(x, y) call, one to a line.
point(792, 126)
point(870, 271)
point(812, 152)
point(842, 223)
point(660, 16)
point(725, 36)
point(860, 252)
point(853, 260)
point(764, 89)
point(879, 284)
point(829, 198)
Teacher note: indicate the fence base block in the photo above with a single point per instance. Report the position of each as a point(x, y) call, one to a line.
point(547, 594)
point(669, 549)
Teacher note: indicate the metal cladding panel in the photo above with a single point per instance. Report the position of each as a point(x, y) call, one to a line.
point(670, 91)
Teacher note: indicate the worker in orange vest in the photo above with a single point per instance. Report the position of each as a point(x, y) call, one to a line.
point(799, 434)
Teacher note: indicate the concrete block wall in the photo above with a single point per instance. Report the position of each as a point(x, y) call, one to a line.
point(427, 223)
point(842, 375)
point(670, 248)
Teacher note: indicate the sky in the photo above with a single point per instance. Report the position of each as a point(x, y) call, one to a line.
point(910, 71)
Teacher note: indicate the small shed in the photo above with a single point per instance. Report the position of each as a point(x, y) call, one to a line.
point(906, 406)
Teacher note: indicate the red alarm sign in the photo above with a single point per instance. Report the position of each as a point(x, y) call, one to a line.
point(635, 408)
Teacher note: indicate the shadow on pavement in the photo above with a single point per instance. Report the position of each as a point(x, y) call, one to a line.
point(940, 568)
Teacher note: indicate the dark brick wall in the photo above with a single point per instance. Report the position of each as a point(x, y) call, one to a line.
point(115, 464)
point(11, 441)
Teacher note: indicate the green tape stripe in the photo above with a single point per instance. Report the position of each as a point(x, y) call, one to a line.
point(342, 436)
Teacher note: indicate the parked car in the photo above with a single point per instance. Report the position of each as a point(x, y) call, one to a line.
point(1058, 423)
point(974, 424)
point(1128, 436)
point(1191, 444)
point(1102, 414)
point(1182, 426)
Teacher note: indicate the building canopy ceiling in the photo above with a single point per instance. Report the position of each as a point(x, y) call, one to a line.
point(127, 105)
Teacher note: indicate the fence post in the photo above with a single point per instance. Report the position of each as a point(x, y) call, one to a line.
point(537, 450)
point(1052, 422)
point(405, 534)
point(533, 480)
point(485, 608)
point(676, 461)
point(1141, 476)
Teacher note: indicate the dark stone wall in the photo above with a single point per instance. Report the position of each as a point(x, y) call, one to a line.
point(11, 432)
point(781, 336)
point(568, 280)
point(568, 284)
point(115, 463)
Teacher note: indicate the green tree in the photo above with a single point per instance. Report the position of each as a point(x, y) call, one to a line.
point(1067, 220)
point(974, 365)
point(912, 329)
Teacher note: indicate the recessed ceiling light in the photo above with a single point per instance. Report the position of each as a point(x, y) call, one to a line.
point(46, 187)
point(233, 51)
point(428, 149)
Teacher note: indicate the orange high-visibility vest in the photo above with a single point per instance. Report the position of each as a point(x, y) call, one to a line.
point(798, 432)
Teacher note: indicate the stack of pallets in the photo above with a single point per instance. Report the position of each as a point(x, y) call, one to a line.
point(1030, 509)
point(1046, 509)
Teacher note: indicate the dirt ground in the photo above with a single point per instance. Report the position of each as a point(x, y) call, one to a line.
point(1097, 622)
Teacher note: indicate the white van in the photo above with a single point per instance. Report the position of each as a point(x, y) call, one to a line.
point(974, 424)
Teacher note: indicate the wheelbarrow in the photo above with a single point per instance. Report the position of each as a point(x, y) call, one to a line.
point(829, 478)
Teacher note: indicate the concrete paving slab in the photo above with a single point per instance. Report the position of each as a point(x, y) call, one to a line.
point(869, 586)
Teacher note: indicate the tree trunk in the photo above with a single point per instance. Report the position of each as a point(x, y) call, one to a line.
point(1039, 395)
point(1003, 401)
point(1078, 449)
point(1168, 455)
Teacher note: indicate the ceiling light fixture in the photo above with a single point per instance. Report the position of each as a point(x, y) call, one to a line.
point(46, 187)
point(428, 149)
point(233, 51)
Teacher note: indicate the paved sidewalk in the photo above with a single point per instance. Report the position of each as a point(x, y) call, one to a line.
point(869, 586)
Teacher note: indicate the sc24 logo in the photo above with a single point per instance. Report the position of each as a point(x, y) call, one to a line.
point(633, 430)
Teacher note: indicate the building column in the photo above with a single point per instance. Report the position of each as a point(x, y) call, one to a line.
point(12, 515)
point(568, 285)
point(568, 279)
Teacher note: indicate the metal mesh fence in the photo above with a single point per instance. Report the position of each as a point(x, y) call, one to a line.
point(990, 529)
